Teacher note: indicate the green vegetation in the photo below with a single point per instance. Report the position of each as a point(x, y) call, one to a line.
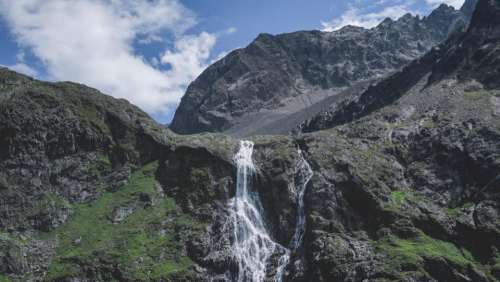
point(4, 278)
point(495, 269)
point(371, 162)
point(477, 95)
point(425, 246)
point(455, 212)
point(145, 245)
point(409, 254)
point(53, 200)
point(99, 167)
point(171, 267)
point(81, 101)
point(6, 237)
point(199, 179)
point(199, 175)
point(497, 262)
point(89, 113)
point(399, 197)
point(428, 123)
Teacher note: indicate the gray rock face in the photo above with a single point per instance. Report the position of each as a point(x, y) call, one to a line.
point(61, 140)
point(253, 89)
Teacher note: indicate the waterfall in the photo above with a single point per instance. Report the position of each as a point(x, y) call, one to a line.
point(282, 263)
point(304, 174)
point(253, 247)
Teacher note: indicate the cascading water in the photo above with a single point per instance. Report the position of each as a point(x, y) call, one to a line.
point(304, 174)
point(252, 244)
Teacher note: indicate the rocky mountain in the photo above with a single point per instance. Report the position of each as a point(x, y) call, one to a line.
point(278, 81)
point(402, 184)
point(472, 55)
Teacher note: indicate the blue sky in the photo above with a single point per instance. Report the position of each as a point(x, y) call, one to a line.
point(149, 51)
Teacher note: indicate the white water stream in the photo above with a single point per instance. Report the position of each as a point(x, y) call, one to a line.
point(305, 174)
point(253, 247)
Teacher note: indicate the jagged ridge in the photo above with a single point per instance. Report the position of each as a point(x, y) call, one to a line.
point(276, 76)
point(473, 55)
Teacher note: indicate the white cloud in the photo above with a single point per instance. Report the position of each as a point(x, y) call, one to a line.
point(367, 13)
point(455, 3)
point(357, 17)
point(24, 69)
point(189, 57)
point(91, 42)
point(231, 30)
point(21, 66)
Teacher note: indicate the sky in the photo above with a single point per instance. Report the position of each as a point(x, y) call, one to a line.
point(148, 51)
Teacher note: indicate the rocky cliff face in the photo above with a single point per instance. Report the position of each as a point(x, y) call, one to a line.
point(405, 187)
point(270, 86)
point(437, 121)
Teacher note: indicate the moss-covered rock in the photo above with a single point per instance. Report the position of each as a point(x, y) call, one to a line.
point(146, 245)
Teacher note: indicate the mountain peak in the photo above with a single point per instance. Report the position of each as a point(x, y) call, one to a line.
point(469, 57)
point(350, 28)
point(475, 55)
point(281, 75)
point(387, 20)
point(408, 17)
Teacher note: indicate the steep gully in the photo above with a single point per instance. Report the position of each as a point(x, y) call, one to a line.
point(253, 247)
